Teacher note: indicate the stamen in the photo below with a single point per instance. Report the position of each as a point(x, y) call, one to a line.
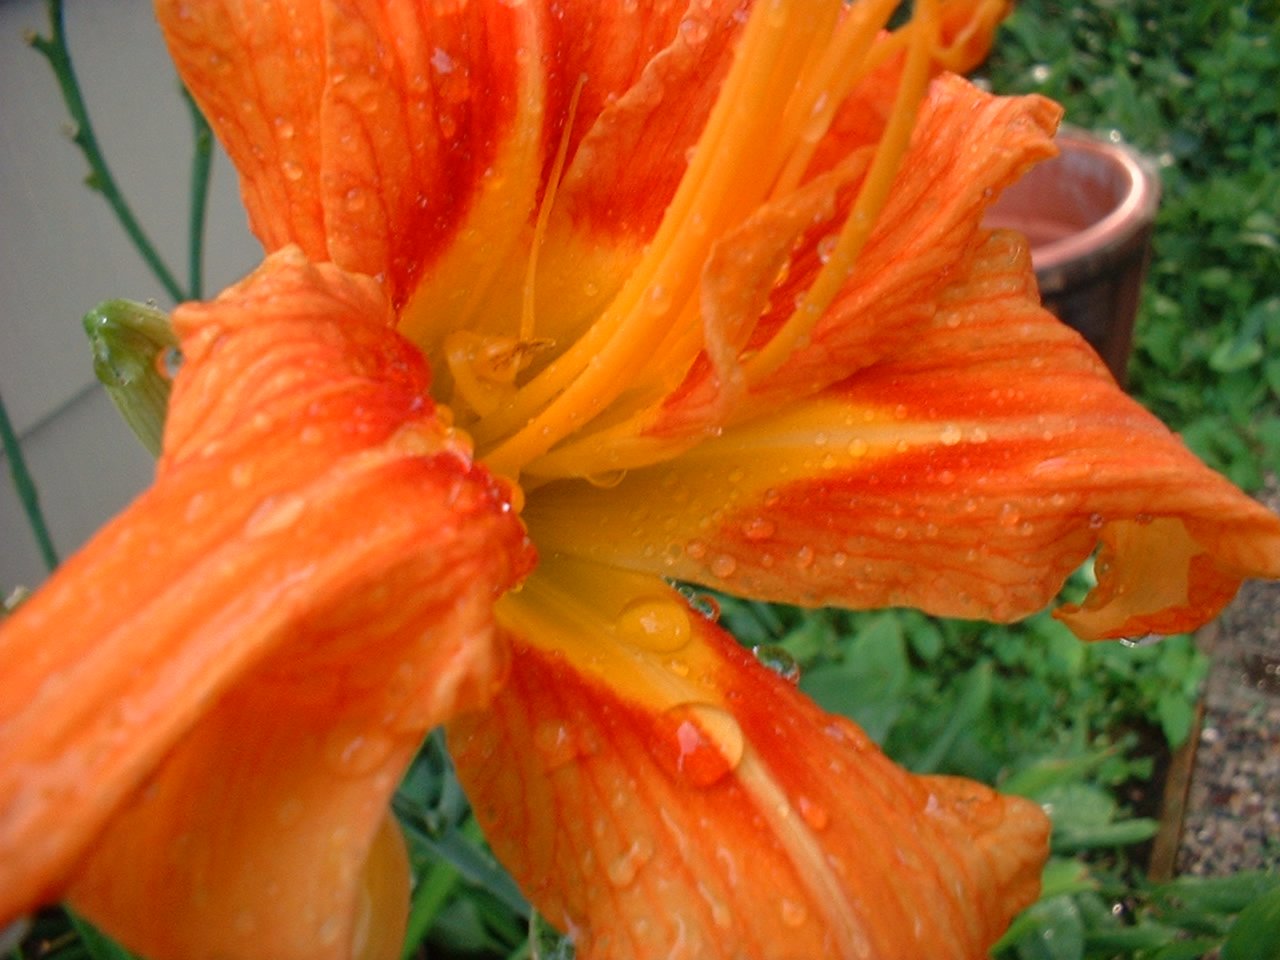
point(843, 64)
point(713, 192)
point(484, 369)
point(544, 212)
point(872, 196)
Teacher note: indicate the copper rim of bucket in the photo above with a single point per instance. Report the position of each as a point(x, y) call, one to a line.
point(1139, 189)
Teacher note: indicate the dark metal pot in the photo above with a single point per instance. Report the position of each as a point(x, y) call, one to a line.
point(1088, 214)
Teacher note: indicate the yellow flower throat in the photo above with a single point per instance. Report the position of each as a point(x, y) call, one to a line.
point(540, 410)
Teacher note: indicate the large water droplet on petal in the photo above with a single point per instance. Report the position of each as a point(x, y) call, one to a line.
point(559, 744)
point(813, 813)
point(777, 659)
point(706, 742)
point(654, 623)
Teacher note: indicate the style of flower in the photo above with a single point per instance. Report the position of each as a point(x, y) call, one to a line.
point(704, 295)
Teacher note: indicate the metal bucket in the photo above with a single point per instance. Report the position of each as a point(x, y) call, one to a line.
point(1088, 214)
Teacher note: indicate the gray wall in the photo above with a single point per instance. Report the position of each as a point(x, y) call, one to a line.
point(62, 252)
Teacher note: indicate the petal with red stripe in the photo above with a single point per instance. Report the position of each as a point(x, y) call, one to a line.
point(968, 473)
point(659, 794)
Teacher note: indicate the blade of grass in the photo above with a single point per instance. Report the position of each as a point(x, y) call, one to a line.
point(201, 164)
point(26, 488)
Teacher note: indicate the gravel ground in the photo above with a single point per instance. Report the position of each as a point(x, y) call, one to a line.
point(1232, 819)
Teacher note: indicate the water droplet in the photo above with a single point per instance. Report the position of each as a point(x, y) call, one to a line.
point(723, 565)
point(721, 915)
point(696, 549)
point(292, 170)
point(1144, 640)
point(951, 435)
point(858, 447)
point(707, 605)
point(329, 930)
point(659, 298)
point(622, 872)
point(355, 200)
point(804, 557)
point(1096, 521)
point(169, 362)
point(1009, 515)
point(606, 480)
point(354, 753)
point(654, 623)
point(813, 813)
point(793, 913)
point(441, 61)
point(707, 742)
point(241, 475)
point(557, 744)
point(273, 515)
point(694, 29)
point(777, 659)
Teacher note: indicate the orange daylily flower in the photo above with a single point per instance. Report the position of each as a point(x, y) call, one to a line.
point(704, 295)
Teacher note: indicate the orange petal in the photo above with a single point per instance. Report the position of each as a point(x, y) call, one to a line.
point(257, 71)
point(967, 147)
point(658, 794)
point(968, 473)
point(221, 689)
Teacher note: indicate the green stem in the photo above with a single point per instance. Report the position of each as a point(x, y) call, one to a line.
point(429, 898)
point(201, 163)
point(54, 49)
point(26, 488)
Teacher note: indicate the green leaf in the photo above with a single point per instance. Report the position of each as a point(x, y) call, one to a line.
point(1195, 949)
point(1176, 714)
point(1221, 894)
point(860, 697)
point(1238, 353)
point(1049, 930)
point(868, 686)
point(96, 943)
point(1256, 933)
point(975, 695)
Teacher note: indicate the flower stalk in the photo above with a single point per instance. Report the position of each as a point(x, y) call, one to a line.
point(100, 179)
point(26, 488)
